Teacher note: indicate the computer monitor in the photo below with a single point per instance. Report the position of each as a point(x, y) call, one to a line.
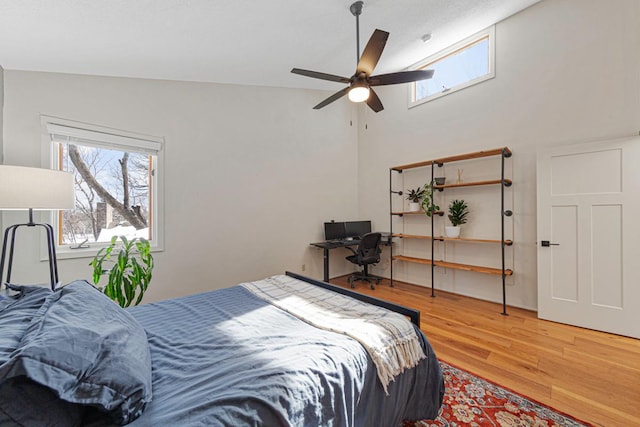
point(357, 228)
point(334, 230)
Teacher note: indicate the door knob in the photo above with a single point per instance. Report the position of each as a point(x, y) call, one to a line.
point(545, 243)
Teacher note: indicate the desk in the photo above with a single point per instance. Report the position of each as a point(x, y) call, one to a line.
point(327, 245)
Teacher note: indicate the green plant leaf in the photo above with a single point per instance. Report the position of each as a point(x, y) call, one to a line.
point(427, 202)
point(458, 211)
point(129, 275)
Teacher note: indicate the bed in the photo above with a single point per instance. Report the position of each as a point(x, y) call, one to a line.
point(229, 357)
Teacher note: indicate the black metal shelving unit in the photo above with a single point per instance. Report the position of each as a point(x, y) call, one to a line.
point(503, 182)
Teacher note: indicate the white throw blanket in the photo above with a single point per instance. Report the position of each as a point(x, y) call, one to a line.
point(388, 337)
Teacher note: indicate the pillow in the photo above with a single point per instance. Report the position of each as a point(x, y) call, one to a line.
point(87, 350)
point(16, 312)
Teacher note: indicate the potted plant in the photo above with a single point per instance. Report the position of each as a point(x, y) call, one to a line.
point(415, 198)
point(440, 180)
point(129, 275)
point(458, 211)
point(427, 201)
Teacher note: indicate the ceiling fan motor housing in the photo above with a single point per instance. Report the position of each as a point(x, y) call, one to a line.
point(356, 8)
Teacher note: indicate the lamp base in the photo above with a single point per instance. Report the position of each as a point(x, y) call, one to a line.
point(10, 232)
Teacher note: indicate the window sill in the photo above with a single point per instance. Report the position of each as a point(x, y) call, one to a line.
point(448, 91)
point(89, 252)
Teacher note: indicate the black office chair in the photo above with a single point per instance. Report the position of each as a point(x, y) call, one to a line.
point(368, 253)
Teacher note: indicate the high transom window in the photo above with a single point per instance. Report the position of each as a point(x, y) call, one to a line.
point(464, 64)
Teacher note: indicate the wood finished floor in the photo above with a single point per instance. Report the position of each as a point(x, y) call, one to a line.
point(591, 375)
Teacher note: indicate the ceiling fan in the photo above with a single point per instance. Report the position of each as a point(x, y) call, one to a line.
point(361, 83)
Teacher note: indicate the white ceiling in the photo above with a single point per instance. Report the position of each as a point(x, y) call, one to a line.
point(231, 41)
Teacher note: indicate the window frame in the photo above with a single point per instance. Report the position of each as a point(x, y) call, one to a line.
point(488, 33)
point(120, 139)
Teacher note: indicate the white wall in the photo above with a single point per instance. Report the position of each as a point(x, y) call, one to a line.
point(250, 172)
point(1, 121)
point(566, 71)
point(1, 108)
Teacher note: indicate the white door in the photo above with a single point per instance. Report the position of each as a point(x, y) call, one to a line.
point(589, 213)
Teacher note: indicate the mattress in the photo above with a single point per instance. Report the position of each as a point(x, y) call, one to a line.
point(228, 358)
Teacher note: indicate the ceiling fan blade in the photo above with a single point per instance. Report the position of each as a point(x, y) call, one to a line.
point(372, 52)
point(374, 102)
point(400, 77)
point(332, 98)
point(322, 76)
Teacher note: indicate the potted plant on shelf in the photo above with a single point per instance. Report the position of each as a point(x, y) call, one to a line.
point(130, 273)
point(415, 198)
point(440, 180)
point(427, 200)
point(458, 211)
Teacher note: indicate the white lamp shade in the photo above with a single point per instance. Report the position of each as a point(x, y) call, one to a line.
point(35, 188)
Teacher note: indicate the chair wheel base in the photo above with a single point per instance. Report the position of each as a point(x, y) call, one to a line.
point(369, 279)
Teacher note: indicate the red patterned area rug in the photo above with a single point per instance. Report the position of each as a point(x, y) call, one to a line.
point(473, 401)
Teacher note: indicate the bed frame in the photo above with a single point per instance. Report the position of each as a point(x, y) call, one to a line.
point(413, 315)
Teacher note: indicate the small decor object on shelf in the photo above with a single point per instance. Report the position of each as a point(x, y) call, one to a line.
point(440, 180)
point(458, 211)
point(427, 201)
point(415, 198)
point(130, 274)
point(459, 181)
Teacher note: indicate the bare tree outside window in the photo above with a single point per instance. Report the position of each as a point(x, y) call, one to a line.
point(112, 193)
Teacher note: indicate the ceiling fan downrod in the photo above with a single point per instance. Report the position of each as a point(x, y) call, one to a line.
point(356, 10)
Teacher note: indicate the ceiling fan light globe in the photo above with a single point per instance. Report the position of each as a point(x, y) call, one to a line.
point(359, 94)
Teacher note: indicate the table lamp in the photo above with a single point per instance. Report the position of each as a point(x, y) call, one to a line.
point(25, 188)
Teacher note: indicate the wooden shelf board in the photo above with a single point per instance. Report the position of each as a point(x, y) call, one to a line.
point(471, 184)
point(474, 155)
point(412, 259)
point(409, 213)
point(471, 240)
point(442, 160)
point(476, 268)
point(410, 236)
point(452, 239)
point(417, 213)
point(455, 265)
point(412, 165)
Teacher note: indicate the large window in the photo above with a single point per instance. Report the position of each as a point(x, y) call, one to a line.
point(116, 184)
point(465, 64)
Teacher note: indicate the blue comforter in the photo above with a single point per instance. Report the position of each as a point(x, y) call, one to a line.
point(228, 358)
